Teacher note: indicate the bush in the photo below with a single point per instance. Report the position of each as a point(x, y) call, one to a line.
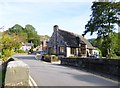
point(54, 58)
point(47, 58)
point(0, 55)
point(7, 53)
point(74, 57)
point(20, 51)
point(100, 52)
point(50, 58)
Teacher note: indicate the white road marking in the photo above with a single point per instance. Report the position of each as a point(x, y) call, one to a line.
point(32, 82)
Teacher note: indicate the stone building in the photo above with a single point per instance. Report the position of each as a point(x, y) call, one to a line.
point(68, 44)
point(44, 44)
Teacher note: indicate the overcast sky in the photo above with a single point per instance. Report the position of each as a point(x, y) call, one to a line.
point(69, 15)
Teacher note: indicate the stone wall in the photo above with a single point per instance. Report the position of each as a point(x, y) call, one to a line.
point(17, 74)
point(107, 66)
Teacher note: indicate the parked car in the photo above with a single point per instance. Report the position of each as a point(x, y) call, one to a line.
point(94, 56)
point(43, 52)
point(40, 52)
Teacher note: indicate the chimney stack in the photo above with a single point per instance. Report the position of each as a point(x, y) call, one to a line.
point(56, 27)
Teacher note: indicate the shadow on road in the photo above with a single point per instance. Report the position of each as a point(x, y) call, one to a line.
point(81, 77)
point(94, 79)
point(25, 57)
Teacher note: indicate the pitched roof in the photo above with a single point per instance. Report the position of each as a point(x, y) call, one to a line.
point(89, 45)
point(72, 39)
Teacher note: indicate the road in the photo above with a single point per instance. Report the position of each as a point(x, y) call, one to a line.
point(47, 74)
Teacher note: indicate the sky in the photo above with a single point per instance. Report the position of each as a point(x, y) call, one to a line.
point(69, 15)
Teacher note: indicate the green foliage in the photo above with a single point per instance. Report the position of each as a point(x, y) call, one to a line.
point(16, 29)
point(10, 42)
point(27, 34)
point(100, 52)
point(50, 58)
point(32, 35)
point(7, 42)
point(47, 58)
point(20, 51)
point(13, 38)
point(103, 18)
point(102, 21)
point(117, 50)
point(31, 50)
point(7, 53)
point(74, 57)
point(0, 55)
point(114, 45)
point(54, 58)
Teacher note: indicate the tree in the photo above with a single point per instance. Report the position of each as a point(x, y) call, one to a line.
point(16, 29)
point(7, 42)
point(32, 35)
point(113, 45)
point(17, 39)
point(102, 21)
point(27, 34)
point(100, 44)
point(117, 50)
point(7, 45)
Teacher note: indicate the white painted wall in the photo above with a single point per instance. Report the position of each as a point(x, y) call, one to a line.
point(25, 48)
point(68, 51)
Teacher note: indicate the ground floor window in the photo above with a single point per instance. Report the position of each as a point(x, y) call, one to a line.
point(73, 50)
point(62, 49)
point(90, 51)
point(50, 50)
point(83, 49)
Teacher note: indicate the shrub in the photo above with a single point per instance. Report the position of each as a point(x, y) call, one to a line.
point(0, 55)
point(74, 57)
point(50, 58)
point(20, 51)
point(7, 53)
point(47, 58)
point(54, 58)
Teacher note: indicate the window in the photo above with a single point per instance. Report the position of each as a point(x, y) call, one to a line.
point(73, 50)
point(83, 49)
point(50, 50)
point(62, 49)
point(90, 51)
